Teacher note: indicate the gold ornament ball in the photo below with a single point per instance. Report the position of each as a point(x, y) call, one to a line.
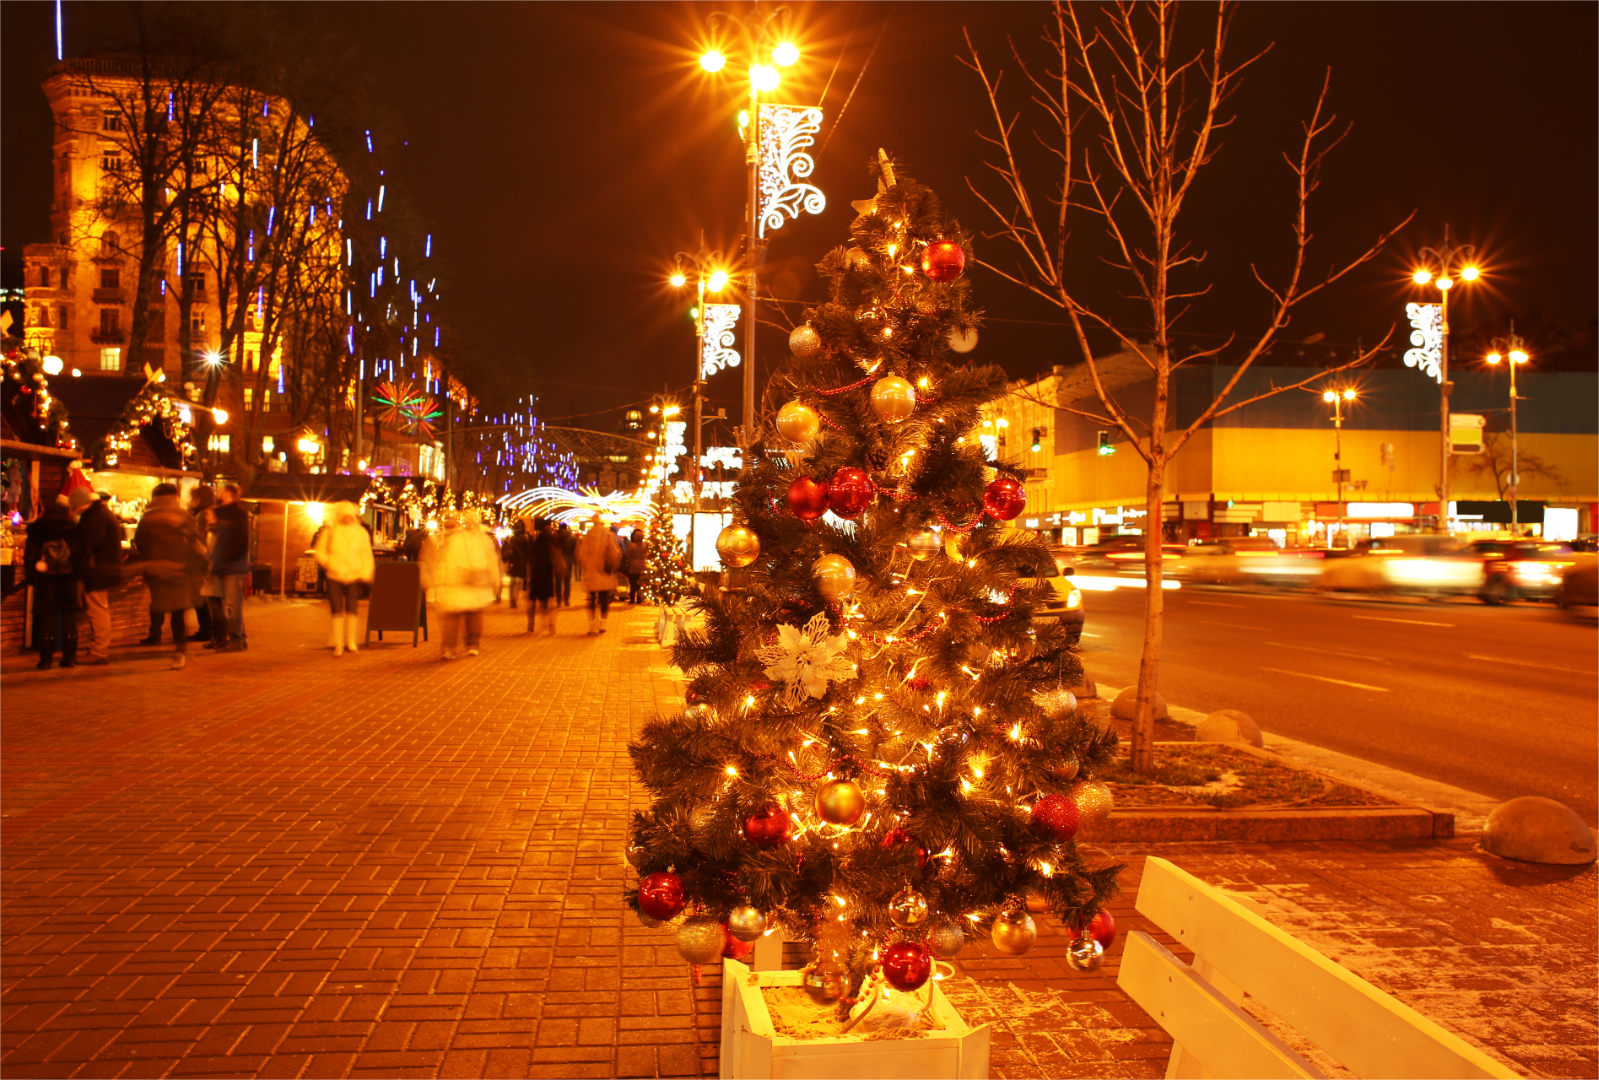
point(1094, 802)
point(1056, 704)
point(840, 802)
point(1066, 772)
point(804, 341)
point(746, 922)
point(1013, 933)
point(835, 576)
point(824, 983)
point(893, 398)
point(955, 546)
point(738, 545)
point(798, 422)
point(946, 938)
point(701, 939)
point(962, 341)
point(923, 544)
point(907, 908)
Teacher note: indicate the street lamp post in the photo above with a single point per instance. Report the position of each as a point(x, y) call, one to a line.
point(763, 34)
point(1515, 350)
point(1445, 263)
point(1336, 399)
point(709, 276)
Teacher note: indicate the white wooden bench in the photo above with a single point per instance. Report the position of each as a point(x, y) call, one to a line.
point(1237, 952)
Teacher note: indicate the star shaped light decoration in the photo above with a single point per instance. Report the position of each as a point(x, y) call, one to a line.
point(807, 659)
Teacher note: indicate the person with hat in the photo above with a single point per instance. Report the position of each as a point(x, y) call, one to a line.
point(53, 561)
point(101, 533)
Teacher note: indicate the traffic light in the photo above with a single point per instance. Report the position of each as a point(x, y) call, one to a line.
point(1105, 448)
point(1038, 439)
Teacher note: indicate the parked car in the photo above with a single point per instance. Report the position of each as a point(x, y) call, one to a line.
point(1520, 569)
point(1066, 599)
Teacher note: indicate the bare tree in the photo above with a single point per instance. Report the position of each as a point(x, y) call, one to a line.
point(1494, 463)
point(1129, 125)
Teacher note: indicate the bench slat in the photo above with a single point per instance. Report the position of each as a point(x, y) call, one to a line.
point(1369, 1032)
point(1225, 1039)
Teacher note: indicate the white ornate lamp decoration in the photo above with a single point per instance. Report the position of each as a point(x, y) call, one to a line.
point(787, 132)
point(1428, 339)
point(718, 339)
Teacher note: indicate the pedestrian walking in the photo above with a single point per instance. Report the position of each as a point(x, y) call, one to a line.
point(545, 566)
point(54, 560)
point(172, 560)
point(458, 569)
point(102, 543)
point(635, 561)
point(515, 552)
point(566, 540)
point(202, 503)
point(230, 562)
point(344, 552)
point(600, 557)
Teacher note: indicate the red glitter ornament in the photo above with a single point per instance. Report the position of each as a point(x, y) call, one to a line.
point(660, 895)
point(1004, 498)
point(943, 260)
point(906, 965)
point(896, 837)
point(808, 499)
point(850, 491)
point(1056, 816)
point(768, 827)
point(735, 949)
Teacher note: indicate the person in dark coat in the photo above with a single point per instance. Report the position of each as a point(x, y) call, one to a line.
point(566, 540)
point(202, 501)
point(54, 560)
point(543, 568)
point(172, 560)
point(635, 560)
point(515, 552)
point(102, 542)
point(230, 562)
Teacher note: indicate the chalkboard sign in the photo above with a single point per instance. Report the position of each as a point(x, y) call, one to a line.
point(397, 602)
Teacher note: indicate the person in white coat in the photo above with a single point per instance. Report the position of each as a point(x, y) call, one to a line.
point(599, 556)
point(344, 551)
point(459, 569)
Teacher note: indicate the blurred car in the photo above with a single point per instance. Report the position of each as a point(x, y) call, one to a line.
point(1123, 555)
point(1520, 569)
point(1421, 564)
point(1242, 559)
point(1579, 587)
point(1065, 602)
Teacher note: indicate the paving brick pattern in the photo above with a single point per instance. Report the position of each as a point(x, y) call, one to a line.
point(280, 864)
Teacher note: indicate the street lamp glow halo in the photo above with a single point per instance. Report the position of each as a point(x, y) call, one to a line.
point(1518, 357)
point(1349, 394)
point(764, 77)
point(220, 415)
point(678, 281)
point(1329, 397)
point(1445, 284)
point(1493, 358)
point(785, 54)
point(1421, 277)
point(712, 60)
point(717, 281)
point(1470, 273)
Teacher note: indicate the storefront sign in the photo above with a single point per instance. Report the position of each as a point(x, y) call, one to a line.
point(1380, 510)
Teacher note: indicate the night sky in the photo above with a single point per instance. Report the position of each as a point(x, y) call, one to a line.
point(562, 153)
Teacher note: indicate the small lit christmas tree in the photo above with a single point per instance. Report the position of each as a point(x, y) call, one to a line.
point(666, 574)
point(880, 753)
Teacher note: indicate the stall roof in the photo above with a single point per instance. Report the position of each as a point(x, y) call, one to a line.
point(310, 487)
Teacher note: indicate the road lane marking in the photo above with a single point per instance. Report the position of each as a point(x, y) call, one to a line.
point(1412, 622)
point(1212, 603)
point(1330, 652)
point(1529, 663)
point(1326, 678)
point(1234, 626)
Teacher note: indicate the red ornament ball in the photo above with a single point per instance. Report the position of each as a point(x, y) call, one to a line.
point(735, 949)
point(1056, 816)
point(850, 492)
point(897, 836)
point(808, 499)
point(906, 965)
point(943, 260)
point(1102, 928)
point(768, 827)
point(1004, 498)
point(660, 895)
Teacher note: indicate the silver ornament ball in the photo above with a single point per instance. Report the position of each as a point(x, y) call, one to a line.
point(746, 923)
point(946, 938)
point(907, 908)
point(649, 921)
point(1085, 954)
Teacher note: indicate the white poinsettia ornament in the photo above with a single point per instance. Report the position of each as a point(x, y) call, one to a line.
point(807, 659)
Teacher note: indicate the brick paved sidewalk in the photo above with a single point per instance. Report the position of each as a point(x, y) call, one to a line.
point(281, 864)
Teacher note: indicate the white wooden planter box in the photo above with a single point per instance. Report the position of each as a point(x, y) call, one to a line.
point(752, 1049)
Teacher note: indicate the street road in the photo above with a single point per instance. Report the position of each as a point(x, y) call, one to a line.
point(1501, 701)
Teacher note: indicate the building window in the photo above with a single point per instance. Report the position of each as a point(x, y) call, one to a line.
point(61, 316)
point(110, 161)
point(41, 316)
point(44, 277)
point(196, 281)
point(110, 359)
point(249, 359)
point(219, 443)
point(110, 278)
point(110, 321)
point(110, 245)
point(110, 122)
point(197, 320)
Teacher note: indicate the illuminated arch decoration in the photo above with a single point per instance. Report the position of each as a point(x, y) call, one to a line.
point(787, 132)
point(574, 507)
point(719, 339)
point(1428, 339)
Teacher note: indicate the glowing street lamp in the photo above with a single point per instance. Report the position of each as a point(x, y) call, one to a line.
point(1441, 267)
point(1336, 399)
point(713, 344)
point(1514, 349)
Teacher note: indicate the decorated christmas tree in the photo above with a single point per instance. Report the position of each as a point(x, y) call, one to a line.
point(666, 575)
point(880, 754)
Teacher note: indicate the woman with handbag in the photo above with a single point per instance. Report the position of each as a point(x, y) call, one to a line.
point(599, 556)
point(545, 564)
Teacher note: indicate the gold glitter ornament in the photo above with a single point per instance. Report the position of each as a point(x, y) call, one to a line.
point(1056, 704)
point(804, 341)
point(1094, 802)
point(701, 939)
